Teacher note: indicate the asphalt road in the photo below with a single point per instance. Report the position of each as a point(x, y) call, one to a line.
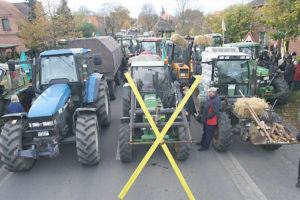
point(245, 172)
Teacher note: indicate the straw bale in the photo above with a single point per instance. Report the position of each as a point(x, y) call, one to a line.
point(179, 41)
point(203, 40)
point(257, 104)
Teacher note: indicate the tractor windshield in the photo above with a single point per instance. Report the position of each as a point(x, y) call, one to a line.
point(232, 74)
point(58, 67)
point(151, 79)
point(153, 47)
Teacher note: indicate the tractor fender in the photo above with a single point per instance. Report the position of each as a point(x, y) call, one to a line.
point(92, 87)
point(83, 110)
point(22, 115)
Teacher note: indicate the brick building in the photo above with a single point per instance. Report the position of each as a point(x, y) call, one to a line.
point(260, 32)
point(10, 14)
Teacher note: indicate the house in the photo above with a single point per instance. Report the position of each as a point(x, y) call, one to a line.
point(260, 32)
point(164, 24)
point(10, 14)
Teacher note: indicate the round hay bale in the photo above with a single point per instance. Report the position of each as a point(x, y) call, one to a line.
point(208, 40)
point(257, 104)
point(179, 41)
point(203, 40)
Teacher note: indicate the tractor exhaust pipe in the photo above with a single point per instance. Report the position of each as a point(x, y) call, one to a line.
point(35, 89)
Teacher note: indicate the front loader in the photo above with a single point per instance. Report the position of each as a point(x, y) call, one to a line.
point(72, 105)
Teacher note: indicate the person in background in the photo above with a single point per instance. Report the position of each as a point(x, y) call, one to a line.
point(29, 96)
point(297, 78)
point(298, 181)
point(15, 106)
point(189, 106)
point(289, 72)
point(295, 62)
point(209, 118)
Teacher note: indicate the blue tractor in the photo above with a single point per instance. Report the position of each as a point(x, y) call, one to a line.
point(72, 105)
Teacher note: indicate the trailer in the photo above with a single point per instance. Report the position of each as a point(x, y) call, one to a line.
point(111, 54)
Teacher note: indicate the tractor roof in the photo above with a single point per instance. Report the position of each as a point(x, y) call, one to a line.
point(214, 52)
point(147, 64)
point(74, 51)
point(150, 39)
point(242, 44)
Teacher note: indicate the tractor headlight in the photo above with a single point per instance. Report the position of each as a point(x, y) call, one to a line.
point(49, 123)
point(34, 125)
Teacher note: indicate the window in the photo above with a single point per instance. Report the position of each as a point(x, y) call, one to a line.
point(5, 25)
point(262, 37)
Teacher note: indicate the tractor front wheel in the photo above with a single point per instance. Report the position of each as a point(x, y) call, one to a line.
point(118, 78)
point(124, 146)
point(183, 148)
point(222, 138)
point(87, 144)
point(10, 142)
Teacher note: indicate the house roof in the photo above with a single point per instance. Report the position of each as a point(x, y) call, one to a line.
point(257, 3)
point(25, 9)
point(8, 46)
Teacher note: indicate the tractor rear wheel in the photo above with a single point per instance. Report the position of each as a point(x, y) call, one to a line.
point(87, 144)
point(124, 146)
point(281, 86)
point(222, 138)
point(118, 78)
point(182, 149)
point(103, 106)
point(112, 89)
point(10, 142)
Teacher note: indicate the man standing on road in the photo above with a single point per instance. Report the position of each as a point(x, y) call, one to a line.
point(209, 118)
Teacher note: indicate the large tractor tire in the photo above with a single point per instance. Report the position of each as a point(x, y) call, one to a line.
point(274, 117)
point(281, 86)
point(182, 150)
point(124, 146)
point(126, 107)
point(87, 141)
point(103, 106)
point(222, 138)
point(10, 142)
point(112, 89)
point(118, 78)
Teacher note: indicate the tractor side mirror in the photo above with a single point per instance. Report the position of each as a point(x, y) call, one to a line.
point(11, 65)
point(97, 59)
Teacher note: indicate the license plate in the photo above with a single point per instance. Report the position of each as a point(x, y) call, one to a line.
point(182, 74)
point(266, 78)
point(43, 133)
point(26, 70)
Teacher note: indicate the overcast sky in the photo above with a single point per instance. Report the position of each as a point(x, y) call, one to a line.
point(134, 6)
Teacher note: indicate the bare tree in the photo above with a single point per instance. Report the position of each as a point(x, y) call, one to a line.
point(182, 6)
point(147, 16)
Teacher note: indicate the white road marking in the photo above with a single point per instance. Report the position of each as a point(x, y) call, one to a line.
point(240, 177)
point(118, 152)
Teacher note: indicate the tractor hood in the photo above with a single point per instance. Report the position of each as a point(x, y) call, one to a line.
point(50, 101)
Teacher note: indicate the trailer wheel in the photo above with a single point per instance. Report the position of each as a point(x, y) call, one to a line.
point(103, 106)
point(124, 146)
point(182, 150)
point(282, 86)
point(126, 107)
point(87, 144)
point(118, 78)
point(10, 142)
point(222, 138)
point(112, 89)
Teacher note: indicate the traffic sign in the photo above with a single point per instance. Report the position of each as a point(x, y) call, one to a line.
point(249, 38)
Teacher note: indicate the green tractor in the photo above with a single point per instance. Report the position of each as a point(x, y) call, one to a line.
point(271, 85)
point(161, 95)
point(12, 83)
point(230, 71)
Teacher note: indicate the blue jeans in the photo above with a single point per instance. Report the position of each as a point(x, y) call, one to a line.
point(296, 85)
point(208, 133)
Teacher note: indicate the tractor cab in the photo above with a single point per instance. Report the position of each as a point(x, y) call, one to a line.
point(227, 69)
point(149, 46)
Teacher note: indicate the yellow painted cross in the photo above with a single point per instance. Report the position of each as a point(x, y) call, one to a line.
point(159, 138)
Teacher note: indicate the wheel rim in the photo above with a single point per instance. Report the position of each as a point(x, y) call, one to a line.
point(176, 147)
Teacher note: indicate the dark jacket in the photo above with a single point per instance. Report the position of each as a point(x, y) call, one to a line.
point(211, 109)
point(15, 107)
point(289, 73)
point(189, 107)
point(29, 95)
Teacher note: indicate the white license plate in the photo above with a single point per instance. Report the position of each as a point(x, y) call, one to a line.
point(182, 74)
point(43, 133)
point(266, 78)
